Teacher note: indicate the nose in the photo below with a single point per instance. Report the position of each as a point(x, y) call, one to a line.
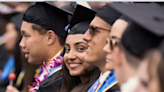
point(22, 43)
point(107, 49)
point(71, 55)
point(87, 36)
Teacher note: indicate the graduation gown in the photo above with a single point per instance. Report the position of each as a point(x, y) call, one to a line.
point(51, 85)
point(109, 84)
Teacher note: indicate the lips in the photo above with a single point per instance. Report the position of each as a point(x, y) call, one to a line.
point(26, 54)
point(74, 65)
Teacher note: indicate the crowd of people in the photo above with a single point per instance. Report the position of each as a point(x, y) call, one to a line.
point(82, 47)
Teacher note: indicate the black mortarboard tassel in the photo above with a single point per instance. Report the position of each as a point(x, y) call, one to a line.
point(108, 14)
point(47, 16)
point(146, 30)
point(81, 20)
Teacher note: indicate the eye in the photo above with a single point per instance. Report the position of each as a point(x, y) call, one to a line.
point(67, 50)
point(92, 30)
point(80, 49)
point(27, 36)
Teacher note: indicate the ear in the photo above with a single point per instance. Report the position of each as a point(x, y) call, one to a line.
point(118, 57)
point(51, 36)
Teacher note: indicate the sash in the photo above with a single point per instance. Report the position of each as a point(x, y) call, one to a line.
point(9, 66)
point(54, 69)
point(107, 83)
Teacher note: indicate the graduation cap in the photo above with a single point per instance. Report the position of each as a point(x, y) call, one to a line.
point(146, 30)
point(69, 7)
point(17, 20)
point(48, 16)
point(125, 18)
point(81, 19)
point(108, 14)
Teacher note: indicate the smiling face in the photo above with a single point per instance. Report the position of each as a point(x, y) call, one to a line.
point(11, 36)
point(96, 40)
point(75, 51)
point(115, 35)
point(32, 44)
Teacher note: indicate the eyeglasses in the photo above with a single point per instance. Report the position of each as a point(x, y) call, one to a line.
point(92, 29)
point(112, 42)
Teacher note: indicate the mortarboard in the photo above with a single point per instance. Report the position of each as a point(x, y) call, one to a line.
point(146, 29)
point(69, 7)
point(108, 14)
point(17, 20)
point(48, 16)
point(125, 18)
point(81, 19)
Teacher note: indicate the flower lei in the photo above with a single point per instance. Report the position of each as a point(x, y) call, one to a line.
point(45, 71)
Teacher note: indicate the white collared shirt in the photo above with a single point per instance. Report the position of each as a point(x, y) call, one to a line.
point(102, 76)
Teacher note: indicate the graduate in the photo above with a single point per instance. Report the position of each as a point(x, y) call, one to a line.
point(142, 34)
point(95, 37)
point(78, 75)
point(152, 67)
point(43, 37)
point(115, 35)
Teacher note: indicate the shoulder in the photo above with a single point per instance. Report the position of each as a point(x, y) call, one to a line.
point(115, 88)
point(51, 83)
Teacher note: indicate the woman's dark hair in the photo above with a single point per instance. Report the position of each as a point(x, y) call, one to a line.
point(74, 84)
point(92, 74)
point(160, 74)
point(17, 54)
point(156, 61)
point(69, 82)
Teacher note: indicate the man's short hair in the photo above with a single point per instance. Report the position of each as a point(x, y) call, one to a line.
point(42, 31)
point(131, 59)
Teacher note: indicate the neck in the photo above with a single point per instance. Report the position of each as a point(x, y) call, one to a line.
point(53, 50)
point(129, 72)
point(101, 67)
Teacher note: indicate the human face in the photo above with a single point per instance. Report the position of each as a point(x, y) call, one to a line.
point(33, 44)
point(75, 51)
point(114, 37)
point(11, 36)
point(96, 40)
point(142, 73)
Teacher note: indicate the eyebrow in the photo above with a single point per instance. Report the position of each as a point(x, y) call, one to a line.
point(114, 37)
point(23, 32)
point(66, 44)
point(79, 43)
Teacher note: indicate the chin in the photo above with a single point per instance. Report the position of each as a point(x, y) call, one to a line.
point(74, 74)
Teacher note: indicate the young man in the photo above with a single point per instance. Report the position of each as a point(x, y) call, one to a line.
point(142, 34)
point(43, 37)
point(96, 39)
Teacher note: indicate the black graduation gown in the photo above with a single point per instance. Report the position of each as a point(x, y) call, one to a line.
point(115, 88)
point(51, 85)
point(4, 56)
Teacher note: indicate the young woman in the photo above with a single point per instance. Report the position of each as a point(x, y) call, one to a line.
point(150, 73)
point(20, 65)
point(78, 76)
